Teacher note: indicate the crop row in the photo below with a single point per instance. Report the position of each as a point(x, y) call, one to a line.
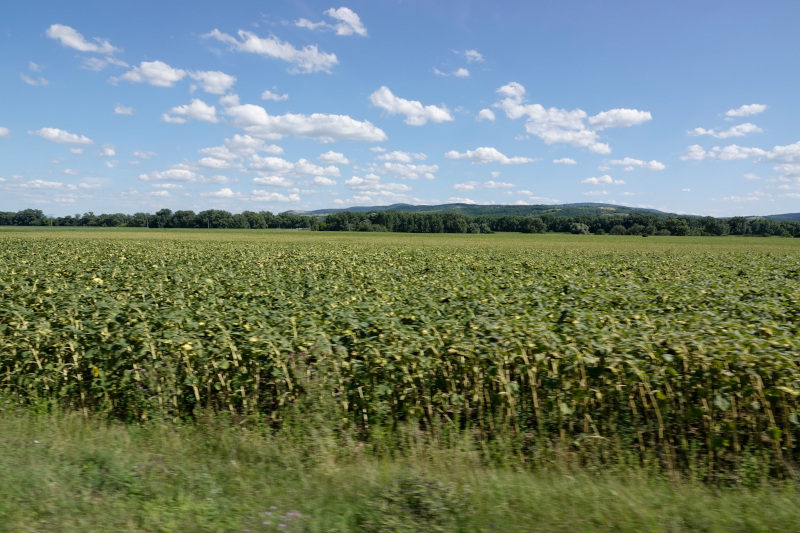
point(664, 351)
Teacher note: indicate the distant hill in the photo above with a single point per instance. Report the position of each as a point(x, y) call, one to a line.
point(786, 217)
point(565, 210)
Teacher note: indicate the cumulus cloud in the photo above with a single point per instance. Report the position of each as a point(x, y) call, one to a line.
point(4, 132)
point(305, 60)
point(274, 181)
point(458, 73)
point(122, 110)
point(213, 81)
point(97, 64)
point(181, 174)
point(736, 131)
point(197, 110)
point(619, 118)
point(485, 114)
point(60, 136)
point(406, 171)
point(490, 184)
point(156, 73)
point(71, 38)
point(488, 154)
point(282, 167)
point(266, 196)
point(255, 121)
point(461, 200)
point(595, 193)
point(213, 162)
point(631, 164)
point(240, 146)
point(269, 95)
point(746, 110)
point(565, 161)
point(398, 156)
point(333, 158)
point(473, 55)
point(225, 192)
point(554, 125)
point(728, 153)
point(108, 151)
point(347, 22)
point(603, 180)
point(322, 180)
point(416, 114)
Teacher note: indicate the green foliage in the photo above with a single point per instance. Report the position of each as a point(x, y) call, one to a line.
point(670, 353)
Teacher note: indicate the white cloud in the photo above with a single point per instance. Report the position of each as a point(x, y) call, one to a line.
point(34, 67)
point(274, 181)
point(785, 154)
point(71, 172)
point(619, 118)
point(50, 185)
point(473, 55)
point(282, 167)
point(156, 73)
point(71, 38)
point(108, 151)
point(485, 114)
point(416, 114)
point(694, 152)
point(736, 131)
point(197, 110)
point(269, 95)
point(307, 59)
point(212, 162)
point(565, 161)
point(736, 152)
point(167, 186)
point(266, 196)
point(256, 121)
point(111, 164)
point(222, 193)
point(729, 153)
point(4, 132)
point(746, 110)
point(159, 194)
point(686, 190)
point(35, 82)
point(401, 157)
point(349, 23)
point(321, 180)
point(603, 180)
point(333, 158)
point(490, 184)
point(750, 176)
point(554, 125)
point(406, 171)
point(76, 151)
point(213, 81)
point(488, 154)
point(122, 110)
point(60, 136)
point(457, 200)
point(458, 73)
point(143, 154)
point(595, 193)
point(97, 64)
point(631, 164)
point(240, 146)
point(181, 174)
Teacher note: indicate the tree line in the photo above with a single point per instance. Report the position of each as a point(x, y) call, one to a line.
point(637, 223)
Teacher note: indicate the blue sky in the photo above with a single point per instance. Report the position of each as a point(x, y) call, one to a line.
point(684, 106)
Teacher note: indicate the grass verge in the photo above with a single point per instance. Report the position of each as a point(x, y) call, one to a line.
point(63, 472)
